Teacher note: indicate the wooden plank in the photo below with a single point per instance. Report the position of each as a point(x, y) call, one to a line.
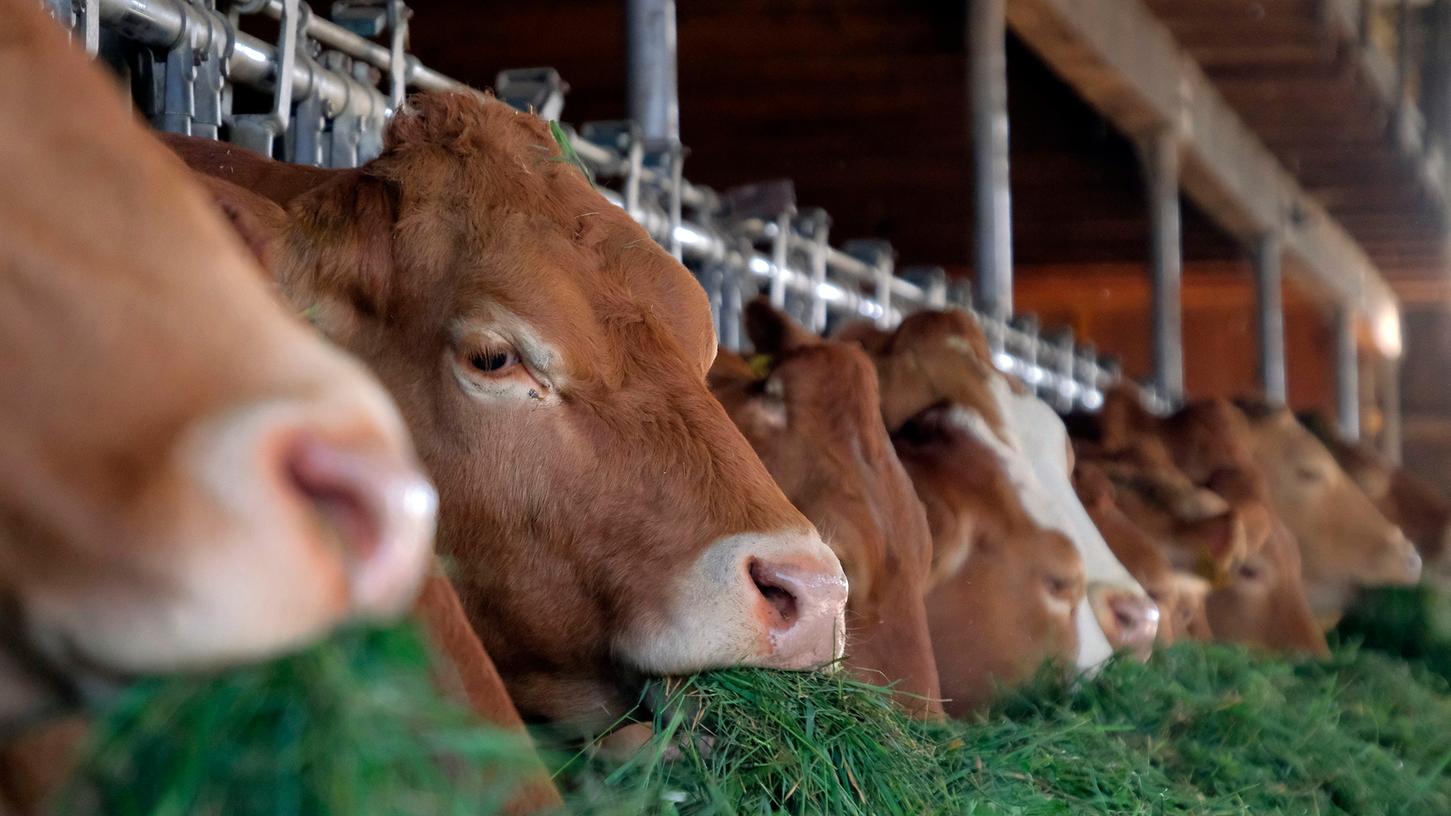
point(1127, 64)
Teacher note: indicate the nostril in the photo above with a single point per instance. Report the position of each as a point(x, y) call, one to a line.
point(773, 587)
point(378, 509)
point(329, 482)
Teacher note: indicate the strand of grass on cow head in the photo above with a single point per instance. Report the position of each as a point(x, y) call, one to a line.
point(567, 152)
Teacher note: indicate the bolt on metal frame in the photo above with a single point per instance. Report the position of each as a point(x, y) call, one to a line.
point(328, 109)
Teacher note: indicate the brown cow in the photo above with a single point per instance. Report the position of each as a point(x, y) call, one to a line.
point(1416, 506)
point(1006, 591)
point(607, 519)
point(1344, 541)
point(812, 415)
point(463, 669)
point(1258, 597)
point(941, 359)
point(188, 477)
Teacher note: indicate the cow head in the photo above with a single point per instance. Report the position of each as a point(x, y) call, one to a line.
point(605, 517)
point(1189, 480)
point(809, 407)
point(1421, 510)
point(1007, 591)
point(942, 358)
point(189, 477)
point(1345, 542)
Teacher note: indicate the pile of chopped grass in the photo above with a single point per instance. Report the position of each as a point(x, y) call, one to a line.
point(1198, 729)
point(352, 726)
point(1413, 623)
point(760, 741)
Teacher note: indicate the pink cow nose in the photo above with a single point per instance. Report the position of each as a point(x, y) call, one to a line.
point(803, 608)
point(1130, 621)
point(381, 509)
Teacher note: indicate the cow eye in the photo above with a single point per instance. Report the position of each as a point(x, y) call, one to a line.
point(1249, 572)
point(494, 361)
point(1307, 474)
point(1057, 587)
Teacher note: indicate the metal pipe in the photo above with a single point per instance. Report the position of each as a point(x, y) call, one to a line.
point(1347, 373)
point(987, 82)
point(650, 56)
point(1270, 316)
point(162, 23)
point(1160, 156)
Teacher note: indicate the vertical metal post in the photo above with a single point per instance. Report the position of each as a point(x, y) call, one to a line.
point(780, 243)
point(987, 79)
point(1270, 316)
point(1160, 153)
point(654, 101)
point(1347, 373)
point(817, 225)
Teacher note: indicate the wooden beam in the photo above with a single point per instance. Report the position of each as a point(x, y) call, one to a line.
point(1127, 64)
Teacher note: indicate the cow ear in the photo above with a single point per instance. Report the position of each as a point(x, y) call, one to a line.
point(1093, 487)
point(1121, 418)
point(772, 332)
point(1222, 545)
point(340, 240)
point(256, 220)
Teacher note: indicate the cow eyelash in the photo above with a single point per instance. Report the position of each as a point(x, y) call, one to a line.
point(494, 361)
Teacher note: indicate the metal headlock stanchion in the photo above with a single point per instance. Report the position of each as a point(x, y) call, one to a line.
point(323, 78)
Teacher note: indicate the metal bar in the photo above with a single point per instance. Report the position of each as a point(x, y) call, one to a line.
point(831, 280)
point(1270, 316)
point(1347, 374)
point(650, 56)
point(987, 83)
point(1160, 154)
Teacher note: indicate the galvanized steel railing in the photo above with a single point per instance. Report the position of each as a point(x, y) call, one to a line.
point(341, 87)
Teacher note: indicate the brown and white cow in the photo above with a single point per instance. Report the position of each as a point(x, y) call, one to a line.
point(189, 477)
point(607, 519)
point(1415, 505)
point(1006, 591)
point(942, 359)
point(810, 409)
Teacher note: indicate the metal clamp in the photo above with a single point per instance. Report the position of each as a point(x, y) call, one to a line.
point(620, 137)
point(540, 90)
point(879, 255)
point(398, 15)
point(258, 131)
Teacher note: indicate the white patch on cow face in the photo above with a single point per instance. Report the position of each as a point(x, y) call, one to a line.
point(503, 360)
point(1033, 451)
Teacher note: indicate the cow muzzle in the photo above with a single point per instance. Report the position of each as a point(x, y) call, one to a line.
point(1129, 620)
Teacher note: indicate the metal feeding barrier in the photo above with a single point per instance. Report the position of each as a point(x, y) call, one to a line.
point(321, 93)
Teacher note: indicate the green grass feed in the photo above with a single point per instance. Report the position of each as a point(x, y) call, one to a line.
point(352, 727)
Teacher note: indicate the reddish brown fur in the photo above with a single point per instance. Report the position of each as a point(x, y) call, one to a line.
point(1262, 600)
point(999, 575)
point(1416, 506)
point(465, 672)
point(562, 521)
point(821, 437)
